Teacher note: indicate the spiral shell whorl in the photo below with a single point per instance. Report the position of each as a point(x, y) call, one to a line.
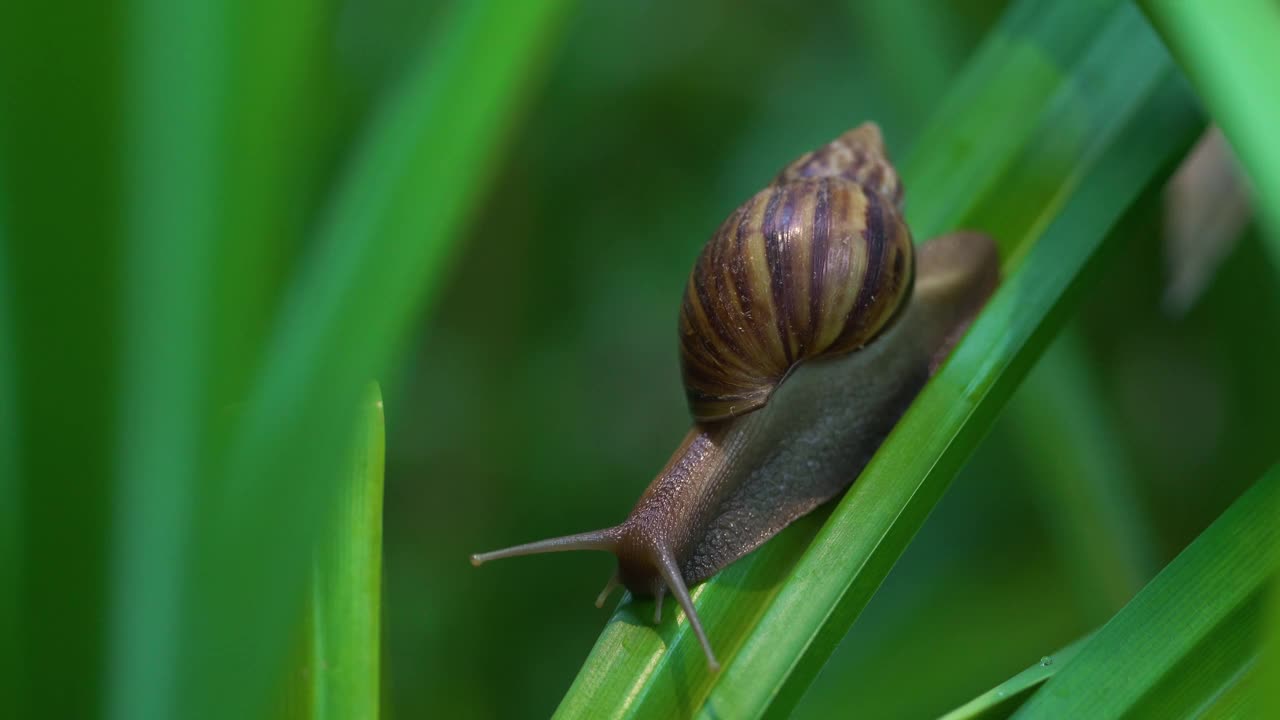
point(816, 264)
point(858, 155)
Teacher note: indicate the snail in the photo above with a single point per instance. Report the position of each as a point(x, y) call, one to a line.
point(808, 324)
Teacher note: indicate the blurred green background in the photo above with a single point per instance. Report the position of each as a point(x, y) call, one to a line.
point(540, 393)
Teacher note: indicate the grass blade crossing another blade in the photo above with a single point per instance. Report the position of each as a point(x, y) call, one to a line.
point(1190, 637)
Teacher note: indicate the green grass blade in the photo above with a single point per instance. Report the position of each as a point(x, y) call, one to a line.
point(1002, 700)
point(878, 517)
point(215, 91)
point(1023, 63)
point(380, 253)
point(1229, 51)
point(346, 598)
point(776, 625)
point(1188, 639)
point(176, 69)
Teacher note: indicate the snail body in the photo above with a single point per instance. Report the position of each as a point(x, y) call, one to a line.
point(808, 325)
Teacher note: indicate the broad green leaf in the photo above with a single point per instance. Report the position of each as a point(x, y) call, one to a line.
point(1002, 700)
point(1186, 642)
point(774, 619)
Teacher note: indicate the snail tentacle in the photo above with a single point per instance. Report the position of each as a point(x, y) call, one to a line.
point(671, 575)
point(606, 540)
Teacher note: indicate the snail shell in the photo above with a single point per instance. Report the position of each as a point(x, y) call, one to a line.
point(817, 264)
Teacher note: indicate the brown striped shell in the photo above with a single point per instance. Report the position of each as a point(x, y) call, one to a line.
point(817, 264)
